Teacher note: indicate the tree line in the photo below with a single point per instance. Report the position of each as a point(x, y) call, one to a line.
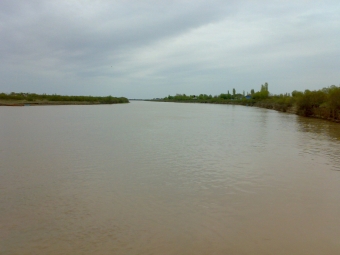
point(262, 94)
point(31, 97)
point(323, 103)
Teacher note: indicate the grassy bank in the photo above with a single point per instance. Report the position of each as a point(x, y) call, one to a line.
point(323, 103)
point(21, 99)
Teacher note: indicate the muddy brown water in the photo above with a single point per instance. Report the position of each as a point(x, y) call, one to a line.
point(167, 178)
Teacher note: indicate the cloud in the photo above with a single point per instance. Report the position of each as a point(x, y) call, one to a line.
point(150, 49)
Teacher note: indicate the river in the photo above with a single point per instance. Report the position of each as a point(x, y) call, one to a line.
point(167, 178)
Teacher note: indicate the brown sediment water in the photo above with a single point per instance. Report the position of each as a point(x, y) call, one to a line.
point(163, 178)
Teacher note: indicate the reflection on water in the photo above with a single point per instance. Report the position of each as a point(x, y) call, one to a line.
point(323, 140)
point(322, 128)
point(166, 178)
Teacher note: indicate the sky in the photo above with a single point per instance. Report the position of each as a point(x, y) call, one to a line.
point(151, 49)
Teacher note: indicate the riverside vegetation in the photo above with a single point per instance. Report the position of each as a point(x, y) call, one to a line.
point(323, 103)
point(19, 99)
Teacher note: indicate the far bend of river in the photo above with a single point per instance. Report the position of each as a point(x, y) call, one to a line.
point(167, 178)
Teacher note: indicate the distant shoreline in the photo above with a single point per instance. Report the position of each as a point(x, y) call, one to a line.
point(44, 103)
point(32, 99)
point(266, 104)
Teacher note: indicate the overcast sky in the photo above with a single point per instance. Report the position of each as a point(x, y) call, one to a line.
point(148, 49)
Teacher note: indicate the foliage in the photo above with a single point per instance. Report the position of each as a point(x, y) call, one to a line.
point(324, 103)
point(262, 94)
point(31, 97)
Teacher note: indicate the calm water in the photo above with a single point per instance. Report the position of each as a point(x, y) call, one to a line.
point(167, 178)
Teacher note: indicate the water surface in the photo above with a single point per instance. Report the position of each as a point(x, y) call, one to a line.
point(167, 178)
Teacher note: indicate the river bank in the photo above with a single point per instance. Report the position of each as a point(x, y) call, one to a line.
point(318, 113)
point(41, 103)
point(292, 108)
point(32, 99)
point(322, 104)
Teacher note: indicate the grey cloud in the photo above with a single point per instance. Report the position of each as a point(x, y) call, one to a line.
point(156, 46)
point(56, 30)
